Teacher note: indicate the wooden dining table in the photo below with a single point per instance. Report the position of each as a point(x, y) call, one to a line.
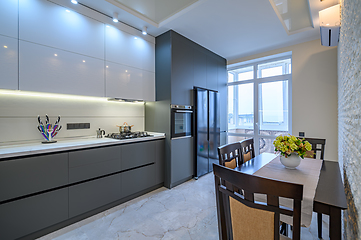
point(329, 198)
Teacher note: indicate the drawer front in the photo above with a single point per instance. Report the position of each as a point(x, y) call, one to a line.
point(33, 174)
point(136, 180)
point(86, 164)
point(28, 215)
point(93, 194)
point(138, 154)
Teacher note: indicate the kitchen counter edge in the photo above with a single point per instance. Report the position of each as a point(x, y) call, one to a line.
point(66, 145)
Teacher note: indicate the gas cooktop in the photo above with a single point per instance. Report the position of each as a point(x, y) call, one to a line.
point(128, 135)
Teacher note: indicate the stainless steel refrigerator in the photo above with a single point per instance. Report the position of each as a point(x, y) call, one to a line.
point(206, 130)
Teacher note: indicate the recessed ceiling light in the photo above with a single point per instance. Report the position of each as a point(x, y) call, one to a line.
point(55, 55)
point(67, 10)
point(74, 2)
point(126, 70)
point(5, 46)
point(107, 25)
point(83, 60)
point(115, 17)
point(135, 38)
point(144, 32)
point(107, 66)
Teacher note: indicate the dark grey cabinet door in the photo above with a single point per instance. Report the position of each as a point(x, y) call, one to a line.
point(86, 164)
point(90, 195)
point(138, 154)
point(200, 69)
point(159, 162)
point(28, 215)
point(212, 73)
point(139, 179)
point(182, 159)
point(32, 174)
point(182, 73)
point(222, 89)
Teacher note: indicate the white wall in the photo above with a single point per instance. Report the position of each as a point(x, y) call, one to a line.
point(314, 91)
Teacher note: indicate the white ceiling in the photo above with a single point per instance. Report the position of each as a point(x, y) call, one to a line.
point(230, 28)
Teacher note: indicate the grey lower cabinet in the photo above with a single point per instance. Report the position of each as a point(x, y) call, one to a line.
point(182, 159)
point(138, 154)
point(136, 180)
point(90, 195)
point(25, 216)
point(41, 191)
point(90, 163)
point(29, 175)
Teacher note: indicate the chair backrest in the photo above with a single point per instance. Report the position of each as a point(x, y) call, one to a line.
point(229, 155)
point(318, 146)
point(240, 217)
point(247, 147)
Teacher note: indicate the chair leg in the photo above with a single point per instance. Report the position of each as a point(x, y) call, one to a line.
point(319, 224)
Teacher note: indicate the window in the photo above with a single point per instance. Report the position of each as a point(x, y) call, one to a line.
point(259, 102)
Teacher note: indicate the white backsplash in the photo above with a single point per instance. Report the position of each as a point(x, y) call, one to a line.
point(18, 116)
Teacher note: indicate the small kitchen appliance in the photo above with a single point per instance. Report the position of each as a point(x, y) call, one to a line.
point(100, 133)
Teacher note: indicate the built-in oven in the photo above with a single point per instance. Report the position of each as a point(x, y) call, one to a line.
point(181, 121)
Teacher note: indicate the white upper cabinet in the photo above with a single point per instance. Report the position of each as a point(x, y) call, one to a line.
point(148, 86)
point(8, 63)
point(123, 81)
point(9, 18)
point(129, 50)
point(51, 25)
point(46, 69)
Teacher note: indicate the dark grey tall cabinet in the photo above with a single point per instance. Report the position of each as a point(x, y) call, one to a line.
point(181, 64)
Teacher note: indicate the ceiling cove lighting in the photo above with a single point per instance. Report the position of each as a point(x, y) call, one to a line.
point(115, 17)
point(330, 25)
point(74, 2)
point(144, 32)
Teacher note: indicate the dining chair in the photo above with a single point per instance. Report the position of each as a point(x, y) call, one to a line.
point(229, 155)
point(247, 147)
point(318, 146)
point(240, 217)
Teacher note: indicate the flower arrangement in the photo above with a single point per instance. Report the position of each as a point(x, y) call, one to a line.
point(290, 144)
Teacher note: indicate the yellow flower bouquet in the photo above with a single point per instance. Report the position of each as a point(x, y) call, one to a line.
point(290, 144)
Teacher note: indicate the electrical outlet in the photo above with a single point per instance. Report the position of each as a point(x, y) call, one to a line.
point(73, 126)
point(301, 134)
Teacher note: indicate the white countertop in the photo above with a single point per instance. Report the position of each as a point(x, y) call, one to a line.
point(64, 145)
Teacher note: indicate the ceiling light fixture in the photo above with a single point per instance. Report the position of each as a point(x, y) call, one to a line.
point(144, 32)
point(5, 46)
point(115, 17)
point(74, 1)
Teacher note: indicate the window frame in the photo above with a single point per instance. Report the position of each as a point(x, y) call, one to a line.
point(256, 93)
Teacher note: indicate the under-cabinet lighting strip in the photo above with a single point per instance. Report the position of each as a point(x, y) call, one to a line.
point(58, 96)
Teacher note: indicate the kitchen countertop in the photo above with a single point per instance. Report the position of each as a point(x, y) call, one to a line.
point(65, 145)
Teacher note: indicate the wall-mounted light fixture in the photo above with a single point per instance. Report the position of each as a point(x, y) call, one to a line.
point(74, 1)
point(115, 17)
point(144, 32)
point(330, 25)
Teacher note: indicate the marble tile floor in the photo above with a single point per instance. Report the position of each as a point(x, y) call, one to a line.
point(187, 211)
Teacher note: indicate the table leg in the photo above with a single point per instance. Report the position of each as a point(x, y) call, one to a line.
point(319, 225)
point(335, 223)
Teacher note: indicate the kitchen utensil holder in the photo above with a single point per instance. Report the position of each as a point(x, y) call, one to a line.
point(49, 131)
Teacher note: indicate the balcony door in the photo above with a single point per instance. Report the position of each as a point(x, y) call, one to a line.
point(259, 102)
